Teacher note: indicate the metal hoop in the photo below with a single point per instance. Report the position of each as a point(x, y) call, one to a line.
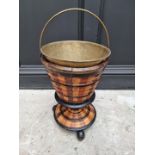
point(75, 9)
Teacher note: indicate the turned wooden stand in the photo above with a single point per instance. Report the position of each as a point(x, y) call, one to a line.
point(75, 117)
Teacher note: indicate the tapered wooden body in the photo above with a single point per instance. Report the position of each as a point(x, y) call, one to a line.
point(74, 85)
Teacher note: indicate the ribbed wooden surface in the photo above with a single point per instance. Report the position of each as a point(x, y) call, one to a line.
point(74, 119)
point(74, 85)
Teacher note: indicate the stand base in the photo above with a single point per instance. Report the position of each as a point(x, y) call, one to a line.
point(76, 120)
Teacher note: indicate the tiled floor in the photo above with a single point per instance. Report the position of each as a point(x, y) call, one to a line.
point(111, 134)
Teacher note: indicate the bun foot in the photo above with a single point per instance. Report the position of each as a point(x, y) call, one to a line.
point(80, 135)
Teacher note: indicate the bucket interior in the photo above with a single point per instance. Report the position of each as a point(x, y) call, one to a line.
point(75, 51)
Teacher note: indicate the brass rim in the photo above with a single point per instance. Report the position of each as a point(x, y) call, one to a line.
point(77, 61)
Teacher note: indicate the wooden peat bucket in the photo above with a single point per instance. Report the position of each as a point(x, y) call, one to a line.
point(74, 68)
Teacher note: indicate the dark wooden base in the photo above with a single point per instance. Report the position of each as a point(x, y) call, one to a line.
point(76, 120)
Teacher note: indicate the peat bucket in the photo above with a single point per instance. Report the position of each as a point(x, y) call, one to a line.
point(74, 68)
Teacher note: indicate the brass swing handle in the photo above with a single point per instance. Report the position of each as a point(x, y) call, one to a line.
point(75, 9)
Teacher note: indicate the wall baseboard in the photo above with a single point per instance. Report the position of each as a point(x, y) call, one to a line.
point(114, 77)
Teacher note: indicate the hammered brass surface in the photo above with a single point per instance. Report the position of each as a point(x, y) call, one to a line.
point(75, 53)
